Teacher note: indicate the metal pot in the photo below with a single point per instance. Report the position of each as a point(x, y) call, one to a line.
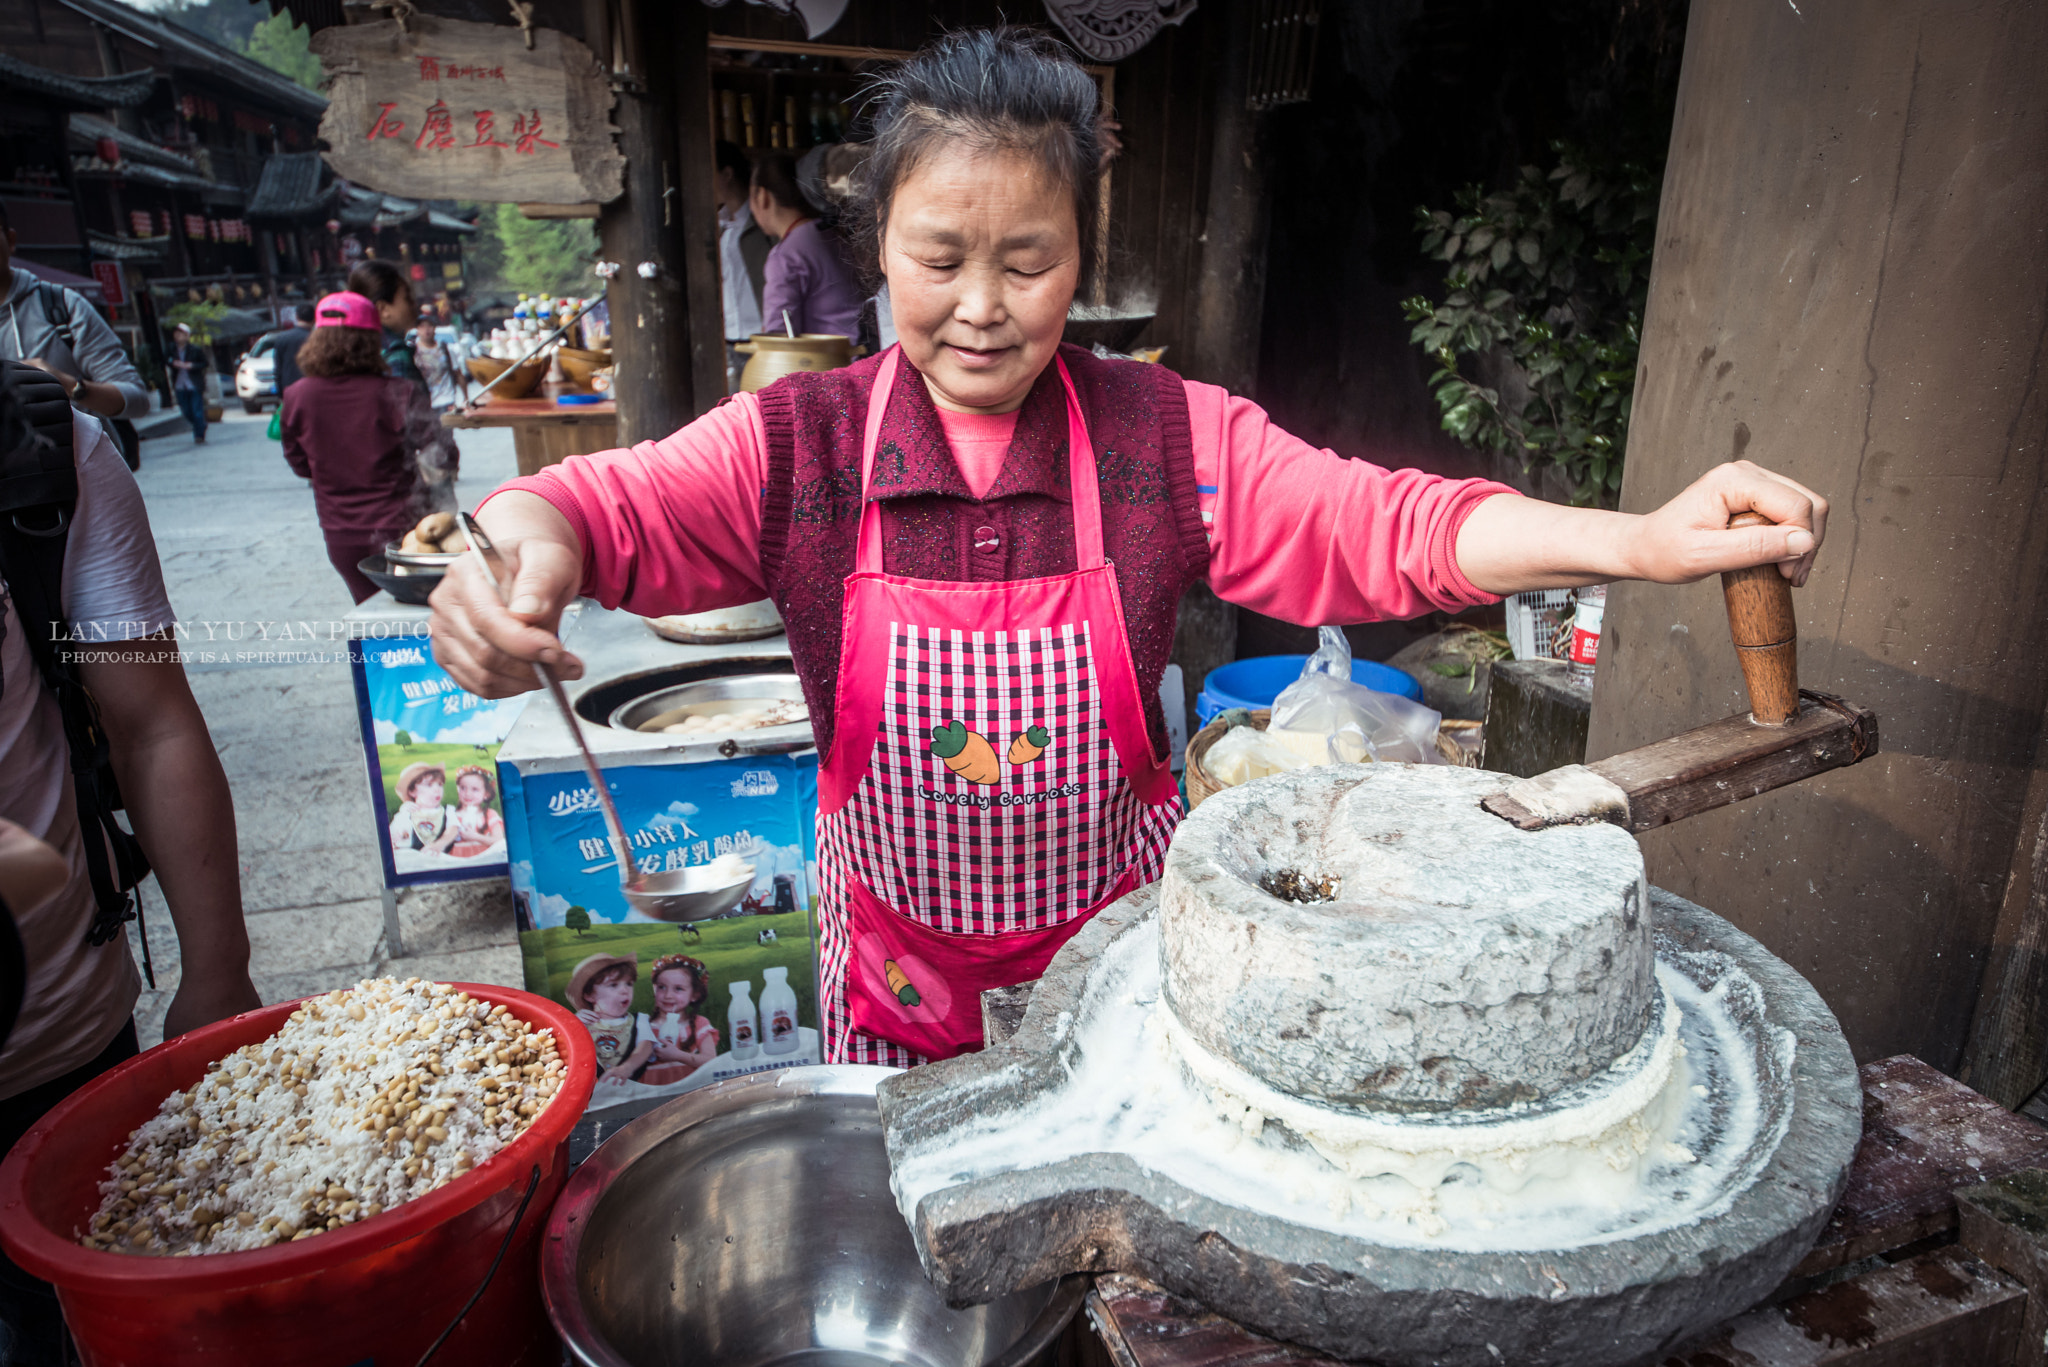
point(751, 1224)
point(671, 705)
point(772, 355)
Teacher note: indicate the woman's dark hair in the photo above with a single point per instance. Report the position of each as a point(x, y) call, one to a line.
point(731, 158)
point(379, 281)
point(777, 175)
point(1002, 89)
point(332, 352)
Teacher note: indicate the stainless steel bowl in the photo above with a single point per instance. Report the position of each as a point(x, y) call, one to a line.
point(420, 562)
point(750, 1224)
point(711, 695)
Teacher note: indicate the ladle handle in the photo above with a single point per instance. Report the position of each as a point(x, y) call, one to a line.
point(487, 559)
point(1766, 634)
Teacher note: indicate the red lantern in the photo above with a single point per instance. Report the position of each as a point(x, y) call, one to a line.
point(109, 151)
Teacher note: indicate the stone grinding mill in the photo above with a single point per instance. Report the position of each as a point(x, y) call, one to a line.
point(1401, 1066)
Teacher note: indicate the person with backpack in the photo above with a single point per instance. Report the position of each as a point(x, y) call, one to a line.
point(54, 329)
point(96, 716)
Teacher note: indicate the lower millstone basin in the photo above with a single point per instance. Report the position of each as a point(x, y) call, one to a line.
point(1606, 1160)
point(1441, 1094)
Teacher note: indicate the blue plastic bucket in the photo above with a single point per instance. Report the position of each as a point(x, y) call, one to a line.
point(1257, 681)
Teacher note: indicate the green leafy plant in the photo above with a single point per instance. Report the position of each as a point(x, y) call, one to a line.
point(1543, 296)
point(281, 45)
point(534, 255)
point(578, 920)
point(202, 318)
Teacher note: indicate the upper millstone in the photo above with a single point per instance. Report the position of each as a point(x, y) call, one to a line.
point(1459, 963)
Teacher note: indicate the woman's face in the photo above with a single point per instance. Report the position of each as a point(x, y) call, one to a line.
point(469, 789)
point(612, 995)
point(401, 313)
point(982, 255)
point(672, 994)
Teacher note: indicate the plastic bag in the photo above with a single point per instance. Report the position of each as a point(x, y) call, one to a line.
point(1327, 719)
point(1244, 753)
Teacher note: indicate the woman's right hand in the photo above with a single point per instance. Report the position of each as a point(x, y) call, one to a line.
point(487, 646)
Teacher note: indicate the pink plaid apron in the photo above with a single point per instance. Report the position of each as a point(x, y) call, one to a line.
point(990, 784)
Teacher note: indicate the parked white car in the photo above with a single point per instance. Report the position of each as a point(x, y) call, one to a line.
point(256, 375)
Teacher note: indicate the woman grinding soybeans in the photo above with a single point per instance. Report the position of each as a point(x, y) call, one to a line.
point(981, 633)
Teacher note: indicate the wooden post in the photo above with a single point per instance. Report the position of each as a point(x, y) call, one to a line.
point(1850, 288)
point(1230, 295)
point(697, 165)
point(642, 229)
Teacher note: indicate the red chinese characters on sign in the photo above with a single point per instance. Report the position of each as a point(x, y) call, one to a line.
point(526, 133)
point(385, 126)
point(434, 69)
point(437, 129)
point(486, 130)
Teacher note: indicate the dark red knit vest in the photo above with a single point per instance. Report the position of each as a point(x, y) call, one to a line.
point(934, 528)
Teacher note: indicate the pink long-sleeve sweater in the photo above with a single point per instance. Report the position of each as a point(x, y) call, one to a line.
point(674, 526)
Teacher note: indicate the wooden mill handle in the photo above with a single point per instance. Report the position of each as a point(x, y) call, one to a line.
point(1766, 636)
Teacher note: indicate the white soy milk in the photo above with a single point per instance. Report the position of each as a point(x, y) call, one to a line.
point(1691, 1149)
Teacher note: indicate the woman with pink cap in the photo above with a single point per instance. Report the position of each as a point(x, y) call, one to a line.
point(353, 429)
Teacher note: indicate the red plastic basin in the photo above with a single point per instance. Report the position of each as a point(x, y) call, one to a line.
point(372, 1294)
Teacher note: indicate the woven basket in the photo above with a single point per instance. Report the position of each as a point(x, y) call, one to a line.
point(1448, 735)
point(1200, 785)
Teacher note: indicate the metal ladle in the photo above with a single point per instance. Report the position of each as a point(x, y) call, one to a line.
point(676, 895)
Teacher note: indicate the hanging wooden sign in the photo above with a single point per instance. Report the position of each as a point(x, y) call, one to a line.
point(446, 109)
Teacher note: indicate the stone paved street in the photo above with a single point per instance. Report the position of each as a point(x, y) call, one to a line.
point(239, 543)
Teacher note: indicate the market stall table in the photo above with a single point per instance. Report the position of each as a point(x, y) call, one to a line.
point(544, 431)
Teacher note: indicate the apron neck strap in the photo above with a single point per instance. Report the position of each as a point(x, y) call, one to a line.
point(1082, 486)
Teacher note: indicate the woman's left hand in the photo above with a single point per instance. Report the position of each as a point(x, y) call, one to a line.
point(1689, 537)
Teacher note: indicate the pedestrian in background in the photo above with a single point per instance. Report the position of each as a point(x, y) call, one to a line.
point(56, 330)
point(357, 432)
point(187, 362)
point(385, 286)
point(807, 274)
point(285, 350)
point(742, 256)
point(438, 367)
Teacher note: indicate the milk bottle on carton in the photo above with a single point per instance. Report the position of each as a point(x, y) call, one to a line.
point(778, 1013)
point(743, 1026)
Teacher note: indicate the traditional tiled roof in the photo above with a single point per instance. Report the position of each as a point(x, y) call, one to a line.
point(86, 130)
point(180, 49)
point(77, 92)
point(294, 186)
point(128, 248)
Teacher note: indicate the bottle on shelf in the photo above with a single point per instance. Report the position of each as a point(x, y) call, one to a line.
point(789, 138)
point(1589, 606)
point(729, 116)
point(747, 122)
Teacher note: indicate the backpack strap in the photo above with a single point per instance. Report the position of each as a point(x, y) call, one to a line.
point(38, 494)
point(57, 309)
